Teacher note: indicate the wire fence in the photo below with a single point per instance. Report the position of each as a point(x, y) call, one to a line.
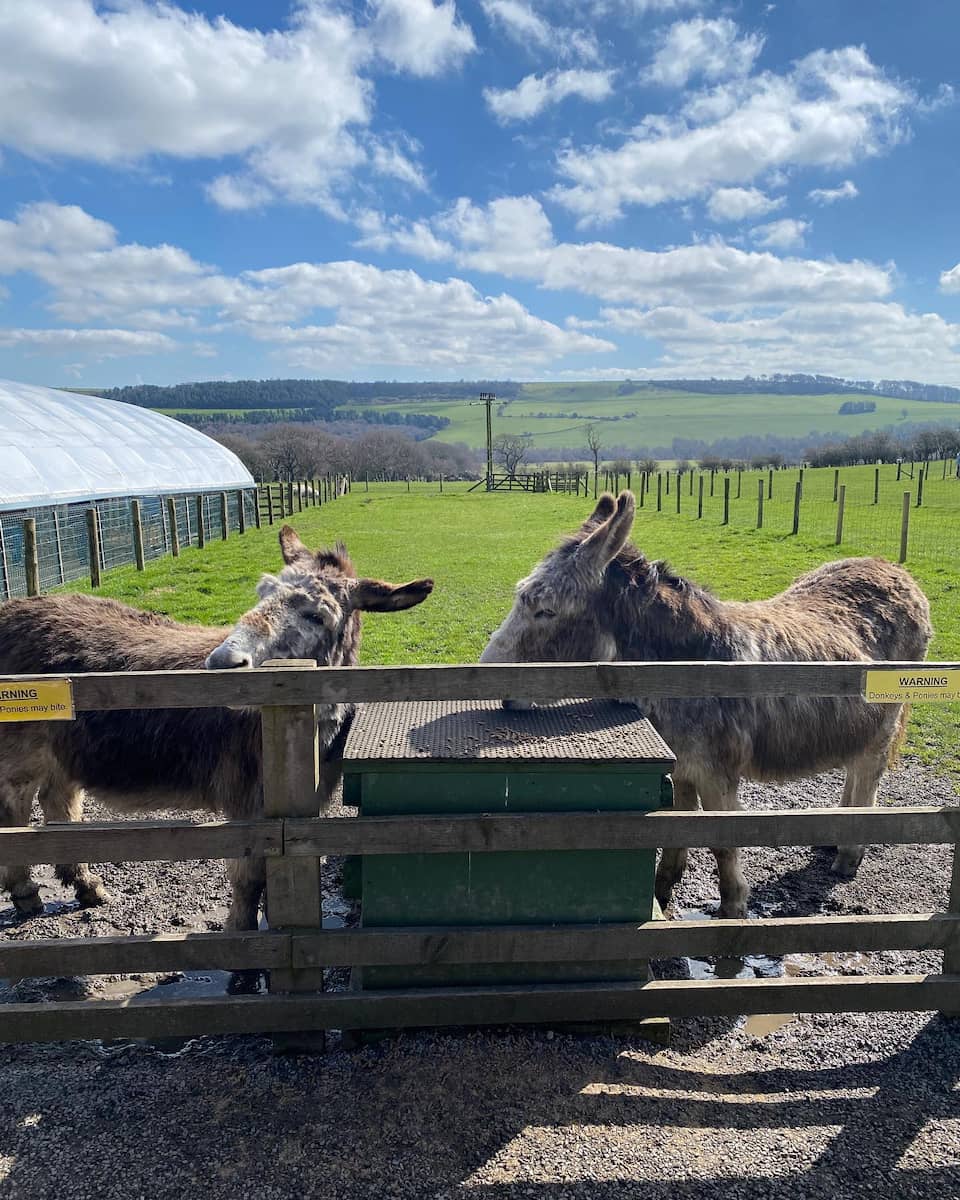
point(44, 547)
point(864, 508)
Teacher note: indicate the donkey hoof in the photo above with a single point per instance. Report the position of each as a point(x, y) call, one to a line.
point(29, 904)
point(91, 896)
point(845, 865)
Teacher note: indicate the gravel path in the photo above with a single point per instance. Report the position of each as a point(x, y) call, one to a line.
point(825, 1106)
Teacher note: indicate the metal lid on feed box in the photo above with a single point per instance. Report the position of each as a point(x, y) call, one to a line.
point(482, 731)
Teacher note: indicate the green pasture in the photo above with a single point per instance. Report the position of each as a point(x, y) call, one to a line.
point(476, 547)
point(663, 415)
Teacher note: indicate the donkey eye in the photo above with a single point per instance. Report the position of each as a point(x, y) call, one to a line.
point(546, 614)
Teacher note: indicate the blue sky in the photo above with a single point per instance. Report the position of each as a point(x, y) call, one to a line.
point(534, 189)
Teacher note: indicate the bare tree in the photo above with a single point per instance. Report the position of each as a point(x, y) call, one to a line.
point(594, 445)
point(511, 449)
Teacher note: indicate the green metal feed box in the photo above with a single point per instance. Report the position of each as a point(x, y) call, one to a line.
point(444, 757)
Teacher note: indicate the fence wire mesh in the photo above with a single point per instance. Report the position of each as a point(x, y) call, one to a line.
point(872, 499)
point(63, 543)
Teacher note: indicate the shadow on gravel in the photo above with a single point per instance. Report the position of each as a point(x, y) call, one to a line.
point(517, 1117)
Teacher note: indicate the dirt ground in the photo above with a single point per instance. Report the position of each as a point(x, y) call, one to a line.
point(823, 1106)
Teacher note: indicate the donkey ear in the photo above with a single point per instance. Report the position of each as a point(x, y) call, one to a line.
point(608, 539)
point(606, 507)
point(373, 595)
point(290, 545)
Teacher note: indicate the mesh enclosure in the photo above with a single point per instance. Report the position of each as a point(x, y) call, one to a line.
point(63, 542)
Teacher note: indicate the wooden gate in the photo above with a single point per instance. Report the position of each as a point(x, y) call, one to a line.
point(292, 843)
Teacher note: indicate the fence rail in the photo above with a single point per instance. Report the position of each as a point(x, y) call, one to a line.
point(293, 844)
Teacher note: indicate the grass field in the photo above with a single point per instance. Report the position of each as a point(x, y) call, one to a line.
point(661, 416)
point(477, 546)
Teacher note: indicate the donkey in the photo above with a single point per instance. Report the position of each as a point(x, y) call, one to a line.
point(206, 759)
point(597, 598)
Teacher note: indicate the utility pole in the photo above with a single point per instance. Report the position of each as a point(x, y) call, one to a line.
point(488, 398)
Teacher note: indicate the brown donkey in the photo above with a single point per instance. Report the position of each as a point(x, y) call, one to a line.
point(597, 598)
point(208, 759)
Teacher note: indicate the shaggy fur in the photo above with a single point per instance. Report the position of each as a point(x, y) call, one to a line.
point(598, 598)
point(206, 759)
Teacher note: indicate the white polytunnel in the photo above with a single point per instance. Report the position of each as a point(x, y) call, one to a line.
point(59, 447)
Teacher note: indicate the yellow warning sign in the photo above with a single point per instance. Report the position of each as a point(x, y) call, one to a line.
point(890, 687)
point(36, 700)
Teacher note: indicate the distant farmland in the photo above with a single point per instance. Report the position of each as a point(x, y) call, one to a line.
point(660, 415)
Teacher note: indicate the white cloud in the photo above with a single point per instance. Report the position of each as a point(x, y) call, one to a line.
point(399, 318)
point(118, 84)
point(513, 236)
point(846, 191)
point(853, 340)
point(781, 235)
point(334, 313)
point(950, 280)
point(736, 204)
point(536, 92)
point(96, 343)
point(522, 24)
point(830, 109)
point(419, 36)
point(712, 50)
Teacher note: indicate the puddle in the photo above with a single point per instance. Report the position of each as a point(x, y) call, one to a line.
point(751, 966)
point(760, 1024)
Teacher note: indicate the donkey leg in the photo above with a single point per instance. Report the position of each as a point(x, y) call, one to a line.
point(16, 795)
point(859, 791)
point(62, 801)
point(721, 796)
point(248, 877)
point(673, 859)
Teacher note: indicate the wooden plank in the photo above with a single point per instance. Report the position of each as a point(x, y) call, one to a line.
point(31, 562)
point(618, 830)
point(138, 841)
point(201, 527)
point(291, 777)
point(136, 519)
point(420, 945)
point(157, 952)
point(93, 546)
point(537, 682)
point(174, 528)
point(427, 1007)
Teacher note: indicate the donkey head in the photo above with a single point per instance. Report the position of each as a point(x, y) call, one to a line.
point(566, 608)
point(311, 609)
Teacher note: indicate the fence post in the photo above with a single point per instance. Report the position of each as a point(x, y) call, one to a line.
point(739, 482)
point(920, 488)
point(904, 527)
point(201, 529)
point(951, 953)
point(257, 516)
point(668, 481)
point(836, 484)
point(726, 500)
point(291, 782)
point(678, 493)
point(93, 542)
point(760, 503)
point(643, 487)
point(770, 484)
point(659, 491)
point(299, 495)
point(700, 497)
point(441, 482)
point(289, 497)
point(713, 476)
point(899, 469)
point(174, 531)
point(876, 485)
point(840, 504)
point(137, 520)
point(269, 503)
point(224, 517)
point(797, 497)
point(61, 578)
point(241, 515)
point(31, 562)
point(800, 480)
point(691, 481)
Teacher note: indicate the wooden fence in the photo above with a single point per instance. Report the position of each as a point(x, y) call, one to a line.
point(292, 840)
